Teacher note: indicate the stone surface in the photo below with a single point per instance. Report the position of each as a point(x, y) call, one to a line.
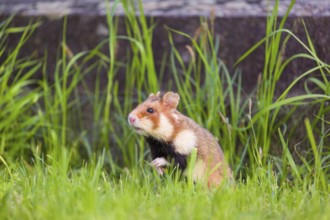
point(166, 8)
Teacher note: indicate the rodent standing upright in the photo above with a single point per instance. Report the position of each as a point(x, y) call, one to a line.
point(172, 135)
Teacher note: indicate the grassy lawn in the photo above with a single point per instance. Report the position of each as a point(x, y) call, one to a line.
point(89, 193)
point(56, 164)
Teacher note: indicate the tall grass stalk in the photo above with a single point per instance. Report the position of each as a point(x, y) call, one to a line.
point(269, 107)
point(18, 116)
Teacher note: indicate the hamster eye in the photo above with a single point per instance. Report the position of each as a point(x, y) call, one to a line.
point(150, 110)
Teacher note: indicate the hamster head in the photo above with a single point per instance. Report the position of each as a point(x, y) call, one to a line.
point(155, 116)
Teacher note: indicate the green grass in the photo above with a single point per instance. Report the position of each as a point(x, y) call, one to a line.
point(58, 160)
point(90, 193)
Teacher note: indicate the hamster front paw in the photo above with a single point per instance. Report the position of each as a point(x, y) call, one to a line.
point(159, 163)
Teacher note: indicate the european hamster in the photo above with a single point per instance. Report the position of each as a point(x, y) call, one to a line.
point(172, 136)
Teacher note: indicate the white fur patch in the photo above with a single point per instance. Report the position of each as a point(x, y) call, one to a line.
point(145, 124)
point(185, 142)
point(165, 128)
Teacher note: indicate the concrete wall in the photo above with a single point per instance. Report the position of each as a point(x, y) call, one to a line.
point(239, 24)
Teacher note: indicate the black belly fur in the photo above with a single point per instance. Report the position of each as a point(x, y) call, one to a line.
point(166, 149)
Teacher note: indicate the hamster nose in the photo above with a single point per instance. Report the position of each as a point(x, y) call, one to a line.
point(131, 119)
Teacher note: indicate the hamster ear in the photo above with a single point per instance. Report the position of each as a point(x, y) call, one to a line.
point(157, 94)
point(171, 99)
point(153, 96)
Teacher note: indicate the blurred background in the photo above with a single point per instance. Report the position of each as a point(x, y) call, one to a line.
point(238, 23)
